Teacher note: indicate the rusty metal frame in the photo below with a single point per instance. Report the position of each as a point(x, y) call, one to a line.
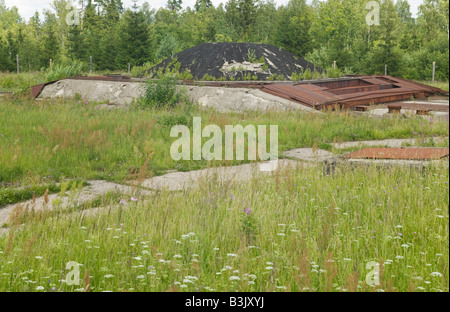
point(352, 92)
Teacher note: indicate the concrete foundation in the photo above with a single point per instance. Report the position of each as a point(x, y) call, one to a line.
point(113, 93)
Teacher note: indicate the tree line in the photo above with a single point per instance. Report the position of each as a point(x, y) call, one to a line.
point(319, 31)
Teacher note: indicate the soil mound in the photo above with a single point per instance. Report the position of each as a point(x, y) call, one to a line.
point(237, 61)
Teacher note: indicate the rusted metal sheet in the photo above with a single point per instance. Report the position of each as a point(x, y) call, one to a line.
point(36, 90)
point(117, 77)
point(352, 92)
point(395, 109)
point(400, 153)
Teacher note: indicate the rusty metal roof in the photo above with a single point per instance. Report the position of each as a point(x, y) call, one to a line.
point(352, 92)
point(406, 153)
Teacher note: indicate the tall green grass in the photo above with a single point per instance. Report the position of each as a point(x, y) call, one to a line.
point(444, 85)
point(71, 139)
point(309, 232)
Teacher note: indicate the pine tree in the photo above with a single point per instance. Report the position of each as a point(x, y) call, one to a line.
point(76, 44)
point(293, 29)
point(174, 5)
point(134, 38)
point(51, 45)
point(201, 5)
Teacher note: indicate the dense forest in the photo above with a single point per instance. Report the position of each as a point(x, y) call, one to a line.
point(319, 31)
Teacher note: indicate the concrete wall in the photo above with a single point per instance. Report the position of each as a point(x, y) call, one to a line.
point(123, 93)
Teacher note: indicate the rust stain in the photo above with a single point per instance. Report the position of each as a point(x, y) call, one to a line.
point(400, 153)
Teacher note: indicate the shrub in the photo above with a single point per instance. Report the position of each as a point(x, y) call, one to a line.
point(334, 72)
point(60, 71)
point(7, 82)
point(138, 71)
point(161, 93)
point(306, 74)
point(208, 78)
point(252, 56)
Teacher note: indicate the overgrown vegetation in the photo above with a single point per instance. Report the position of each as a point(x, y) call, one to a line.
point(298, 230)
point(60, 71)
point(74, 140)
point(11, 195)
point(161, 93)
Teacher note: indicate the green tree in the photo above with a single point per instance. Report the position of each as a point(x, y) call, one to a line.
point(133, 34)
point(201, 5)
point(293, 27)
point(174, 5)
point(51, 44)
point(167, 47)
point(76, 44)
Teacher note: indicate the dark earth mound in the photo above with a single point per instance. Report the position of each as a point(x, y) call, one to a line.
point(237, 61)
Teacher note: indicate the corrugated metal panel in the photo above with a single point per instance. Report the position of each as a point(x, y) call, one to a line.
point(349, 93)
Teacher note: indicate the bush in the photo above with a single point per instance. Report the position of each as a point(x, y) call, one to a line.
point(334, 72)
point(60, 71)
point(161, 93)
point(307, 75)
point(7, 82)
point(138, 71)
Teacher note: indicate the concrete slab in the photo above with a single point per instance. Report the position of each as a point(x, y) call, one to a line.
point(241, 99)
point(120, 94)
point(112, 92)
point(309, 154)
point(87, 194)
point(178, 181)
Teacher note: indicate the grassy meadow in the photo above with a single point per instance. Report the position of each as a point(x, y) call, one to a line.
point(299, 230)
point(295, 230)
point(54, 140)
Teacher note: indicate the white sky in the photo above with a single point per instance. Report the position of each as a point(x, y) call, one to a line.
point(28, 7)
